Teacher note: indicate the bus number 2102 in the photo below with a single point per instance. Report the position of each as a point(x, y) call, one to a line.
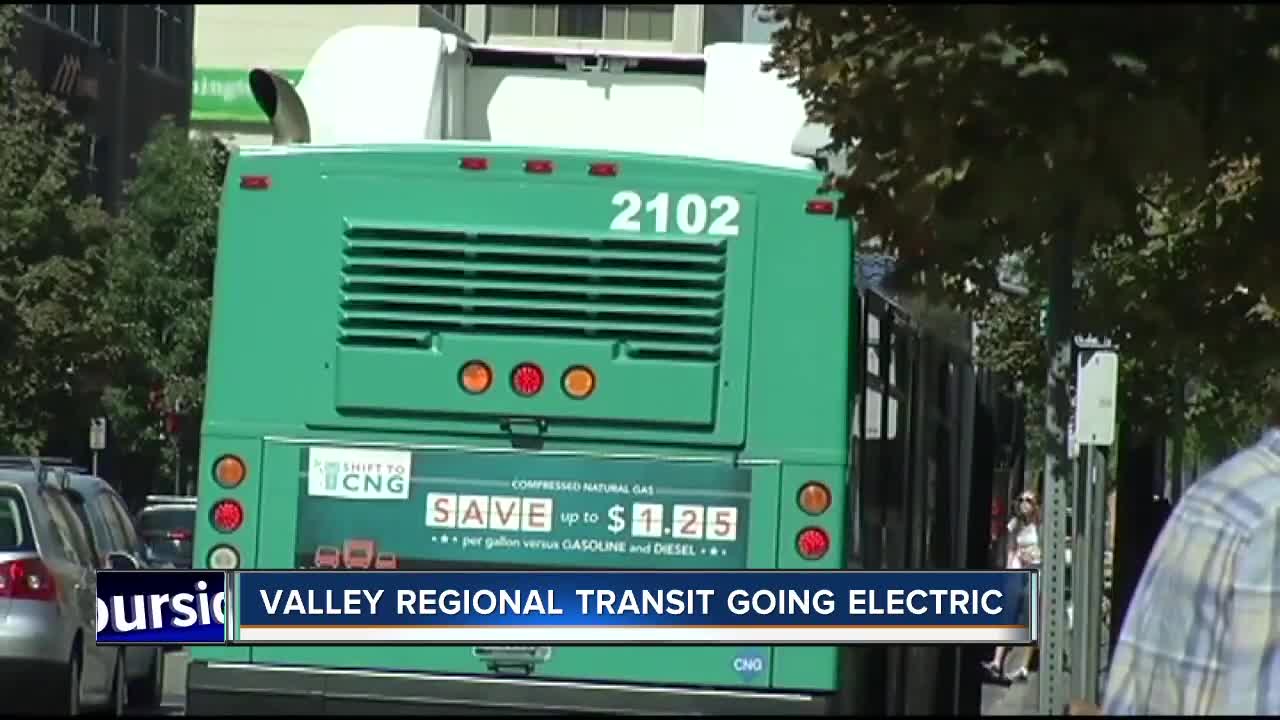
point(693, 214)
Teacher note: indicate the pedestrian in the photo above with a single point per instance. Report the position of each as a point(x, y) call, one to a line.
point(1202, 633)
point(1022, 553)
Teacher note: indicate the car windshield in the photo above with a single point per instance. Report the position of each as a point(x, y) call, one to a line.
point(165, 520)
point(14, 535)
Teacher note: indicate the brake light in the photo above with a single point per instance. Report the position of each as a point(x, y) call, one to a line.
point(255, 182)
point(224, 557)
point(474, 163)
point(813, 543)
point(227, 516)
point(539, 166)
point(603, 169)
point(815, 498)
point(229, 471)
point(527, 379)
point(578, 382)
point(27, 580)
point(475, 377)
point(820, 207)
point(179, 535)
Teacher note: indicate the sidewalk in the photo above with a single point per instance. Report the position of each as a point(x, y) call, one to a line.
point(1020, 698)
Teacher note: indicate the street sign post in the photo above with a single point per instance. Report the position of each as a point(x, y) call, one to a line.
point(97, 439)
point(1094, 423)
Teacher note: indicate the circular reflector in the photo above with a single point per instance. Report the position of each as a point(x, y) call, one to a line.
point(224, 557)
point(578, 382)
point(229, 471)
point(227, 516)
point(527, 379)
point(813, 543)
point(815, 498)
point(475, 377)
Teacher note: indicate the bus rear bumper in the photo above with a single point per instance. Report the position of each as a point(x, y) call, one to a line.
point(243, 689)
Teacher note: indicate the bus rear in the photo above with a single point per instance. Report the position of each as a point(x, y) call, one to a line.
point(453, 355)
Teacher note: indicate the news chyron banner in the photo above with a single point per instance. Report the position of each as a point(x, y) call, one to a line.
point(162, 607)
point(388, 607)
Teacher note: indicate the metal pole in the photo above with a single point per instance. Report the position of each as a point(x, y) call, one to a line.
point(95, 463)
point(1053, 639)
point(177, 467)
point(1091, 603)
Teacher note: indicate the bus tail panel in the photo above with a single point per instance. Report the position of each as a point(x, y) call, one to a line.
point(449, 508)
point(513, 270)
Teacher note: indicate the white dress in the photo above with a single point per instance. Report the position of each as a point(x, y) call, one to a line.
point(1025, 553)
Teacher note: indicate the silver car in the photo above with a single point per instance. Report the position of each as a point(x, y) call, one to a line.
point(115, 540)
point(48, 598)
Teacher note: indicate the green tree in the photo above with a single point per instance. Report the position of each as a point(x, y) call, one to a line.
point(51, 266)
point(159, 289)
point(980, 132)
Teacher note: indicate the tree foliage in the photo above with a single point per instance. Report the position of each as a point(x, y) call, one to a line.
point(51, 263)
point(977, 133)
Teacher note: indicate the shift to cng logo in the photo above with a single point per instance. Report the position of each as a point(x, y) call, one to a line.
point(749, 664)
point(354, 474)
point(161, 607)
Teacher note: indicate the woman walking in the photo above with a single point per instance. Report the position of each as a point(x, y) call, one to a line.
point(1023, 554)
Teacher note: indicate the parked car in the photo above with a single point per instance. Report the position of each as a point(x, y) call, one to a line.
point(112, 534)
point(48, 597)
point(167, 525)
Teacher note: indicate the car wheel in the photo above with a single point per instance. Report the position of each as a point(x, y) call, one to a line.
point(145, 692)
point(67, 703)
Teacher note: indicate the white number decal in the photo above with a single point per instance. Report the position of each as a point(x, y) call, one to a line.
point(626, 218)
point(691, 213)
point(726, 224)
point(659, 206)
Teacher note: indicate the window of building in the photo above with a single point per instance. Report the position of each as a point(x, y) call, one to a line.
point(604, 22)
point(164, 39)
point(39, 12)
point(80, 19)
point(107, 28)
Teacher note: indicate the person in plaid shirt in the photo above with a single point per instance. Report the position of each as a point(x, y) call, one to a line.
point(1202, 635)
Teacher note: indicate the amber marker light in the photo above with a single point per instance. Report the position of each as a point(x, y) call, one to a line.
point(476, 377)
point(229, 471)
point(815, 498)
point(578, 382)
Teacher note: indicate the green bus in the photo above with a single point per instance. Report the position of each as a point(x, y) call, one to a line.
point(461, 355)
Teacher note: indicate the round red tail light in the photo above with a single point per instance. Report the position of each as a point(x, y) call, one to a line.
point(527, 379)
point(227, 516)
point(813, 543)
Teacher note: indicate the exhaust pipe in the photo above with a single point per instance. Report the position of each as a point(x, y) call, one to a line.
point(283, 107)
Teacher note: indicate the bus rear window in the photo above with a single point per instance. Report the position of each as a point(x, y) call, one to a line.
point(15, 530)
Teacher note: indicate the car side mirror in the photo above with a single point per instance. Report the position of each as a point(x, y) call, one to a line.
point(122, 561)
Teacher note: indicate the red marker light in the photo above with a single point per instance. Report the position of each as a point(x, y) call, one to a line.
point(227, 516)
point(540, 167)
point(603, 169)
point(820, 207)
point(527, 379)
point(255, 182)
point(813, 543)
point(474, 163)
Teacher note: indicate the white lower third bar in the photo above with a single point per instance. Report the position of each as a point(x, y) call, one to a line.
point(630, 635)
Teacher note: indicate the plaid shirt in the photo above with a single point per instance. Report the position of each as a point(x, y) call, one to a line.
point(1202, 636)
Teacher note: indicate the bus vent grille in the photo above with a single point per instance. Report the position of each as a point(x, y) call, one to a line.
point(663, 298)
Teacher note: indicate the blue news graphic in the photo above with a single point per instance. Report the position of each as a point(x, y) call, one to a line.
point(161, 607)
point(636, 599)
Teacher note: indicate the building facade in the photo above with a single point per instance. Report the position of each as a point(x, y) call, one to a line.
point(230, 40)
point(120, 69)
